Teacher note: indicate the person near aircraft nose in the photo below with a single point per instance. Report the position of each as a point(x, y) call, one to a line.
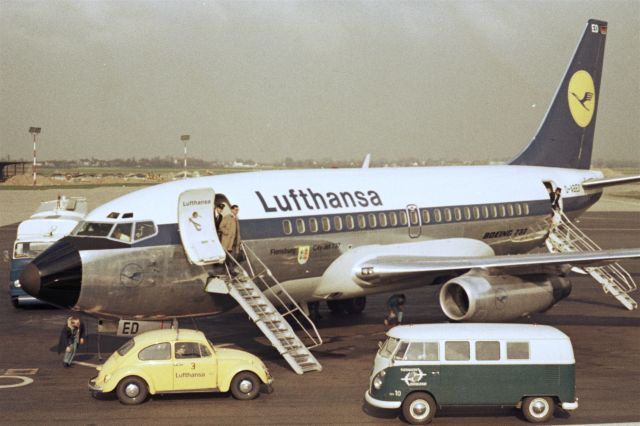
point(71, 336)
point(395, 303)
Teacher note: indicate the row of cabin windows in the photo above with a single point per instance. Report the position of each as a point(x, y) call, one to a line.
point(393, 218)
point(461, 351)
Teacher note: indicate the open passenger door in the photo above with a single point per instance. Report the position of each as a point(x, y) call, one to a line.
point(197, 227)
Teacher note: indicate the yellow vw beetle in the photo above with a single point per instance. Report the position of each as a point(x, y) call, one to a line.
point(166, 361)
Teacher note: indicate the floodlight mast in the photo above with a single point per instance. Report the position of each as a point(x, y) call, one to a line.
point(184, 139)
point(34, 131)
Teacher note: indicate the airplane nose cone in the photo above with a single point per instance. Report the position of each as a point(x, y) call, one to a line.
point(55, 276)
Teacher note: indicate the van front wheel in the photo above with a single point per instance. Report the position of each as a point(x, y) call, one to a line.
point(419, 408)
point(538, 409)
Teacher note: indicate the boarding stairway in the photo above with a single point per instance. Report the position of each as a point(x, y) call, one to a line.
point(565, 236)
point(244, 285)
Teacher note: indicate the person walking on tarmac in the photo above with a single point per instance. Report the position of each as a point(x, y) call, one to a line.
point(71, 336)
point(395, 303)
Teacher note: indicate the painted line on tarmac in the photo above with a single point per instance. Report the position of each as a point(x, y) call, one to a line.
point(85, 364)
point(24, 381)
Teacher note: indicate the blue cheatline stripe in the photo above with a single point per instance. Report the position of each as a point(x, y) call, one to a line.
point(258, 229)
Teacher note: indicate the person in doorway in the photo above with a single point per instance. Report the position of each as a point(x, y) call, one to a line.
point(72, 335)
point(230, 229)
point(217, 218)
point(556, 200)
point(394, 303)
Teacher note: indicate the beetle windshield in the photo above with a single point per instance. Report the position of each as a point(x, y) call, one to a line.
point(389, 347)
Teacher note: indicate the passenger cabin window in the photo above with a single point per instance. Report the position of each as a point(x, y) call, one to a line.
point(447, 215)
point(456, 351)
point(350, 223)
point(393, 218)
point(467, 213)
point(122, 232)
point(457, 214)
point(362, 223)
point(437, 216)
point(422, 351)
point(313, 224)
point(337, 223)
point(158, 352)
point(526, 208)
point(517, 350)
point(326, 224)
point(186, 350)
point(144, 230)
point(300, 226)
point(485, 212)
point(476, 212)
point(510, 209)
point(403, 218)
point(286, 227)
point(487, 351)
point(494, 211)
point(426, 217)
point(414, 216)
point(382, 219)
point(93, 229)
point(371, 217)
point(503, 212)
point(519, 209)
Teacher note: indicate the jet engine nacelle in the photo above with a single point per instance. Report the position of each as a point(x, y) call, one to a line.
point(478, 297)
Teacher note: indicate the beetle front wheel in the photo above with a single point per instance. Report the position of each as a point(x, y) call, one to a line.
point(538, 409)
point(245, 385)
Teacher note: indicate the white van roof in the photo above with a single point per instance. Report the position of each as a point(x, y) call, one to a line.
point(476, 331)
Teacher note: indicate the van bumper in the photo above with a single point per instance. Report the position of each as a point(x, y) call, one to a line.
point(389, 405)
point(570, 406)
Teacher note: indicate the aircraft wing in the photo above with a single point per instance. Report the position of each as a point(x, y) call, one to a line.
point(602, 183)
point(385, 269)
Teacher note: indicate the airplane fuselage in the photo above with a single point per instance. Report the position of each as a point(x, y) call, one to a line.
point(299, 222)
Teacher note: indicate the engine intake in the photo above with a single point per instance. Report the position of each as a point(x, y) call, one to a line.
point(478, 297)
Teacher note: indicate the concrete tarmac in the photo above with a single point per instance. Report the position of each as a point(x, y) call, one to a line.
point(606, 339)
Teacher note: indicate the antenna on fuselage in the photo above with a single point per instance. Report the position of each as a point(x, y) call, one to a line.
point(367, 160)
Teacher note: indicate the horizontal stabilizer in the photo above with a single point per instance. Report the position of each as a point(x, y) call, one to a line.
point(603, 183)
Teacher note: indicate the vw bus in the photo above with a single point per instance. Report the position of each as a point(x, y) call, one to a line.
point(423, 368)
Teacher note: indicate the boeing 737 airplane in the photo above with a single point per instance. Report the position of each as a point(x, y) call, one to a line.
point(339, 235)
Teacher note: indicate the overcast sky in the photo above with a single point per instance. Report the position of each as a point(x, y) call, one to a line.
point(268, 80)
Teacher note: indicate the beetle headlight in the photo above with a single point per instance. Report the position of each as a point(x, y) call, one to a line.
point(379, 379)
point(107, 378)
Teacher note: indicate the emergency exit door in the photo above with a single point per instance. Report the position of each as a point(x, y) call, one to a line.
point(197, 227)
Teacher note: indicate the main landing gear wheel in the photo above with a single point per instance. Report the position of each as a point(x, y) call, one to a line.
point(538, 409)
point(419, 408)
point(132, 390)
point(245, 385)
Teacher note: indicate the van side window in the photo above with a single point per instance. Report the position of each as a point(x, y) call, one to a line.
point(517, 350)
point(422, 351)
point(456, 351)
point(487, 351)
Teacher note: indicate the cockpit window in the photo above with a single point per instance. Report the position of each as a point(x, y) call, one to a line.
point(144, 230)
point(93, 229)
point(122, 232)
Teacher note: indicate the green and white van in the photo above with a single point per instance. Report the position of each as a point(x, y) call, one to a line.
point(421, 368)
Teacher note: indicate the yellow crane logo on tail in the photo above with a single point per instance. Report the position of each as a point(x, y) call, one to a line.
point(582, 98)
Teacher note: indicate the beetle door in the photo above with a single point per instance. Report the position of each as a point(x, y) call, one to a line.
point(194, 367)
point(197, 227)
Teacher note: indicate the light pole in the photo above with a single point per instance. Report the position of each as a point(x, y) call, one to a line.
point(34, 131)
point(184, 139)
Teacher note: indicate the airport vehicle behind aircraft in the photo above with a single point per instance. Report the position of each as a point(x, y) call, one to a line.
point(340, 235)
point(423, 368)
point(51, 221)
point(178, 360)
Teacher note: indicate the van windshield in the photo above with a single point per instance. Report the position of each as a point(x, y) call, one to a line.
point(389, 347)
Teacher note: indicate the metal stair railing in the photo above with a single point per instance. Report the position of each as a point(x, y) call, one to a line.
point(245, 290)
point(565, 236)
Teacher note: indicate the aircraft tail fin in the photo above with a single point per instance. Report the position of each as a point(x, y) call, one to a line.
point(565, 137)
